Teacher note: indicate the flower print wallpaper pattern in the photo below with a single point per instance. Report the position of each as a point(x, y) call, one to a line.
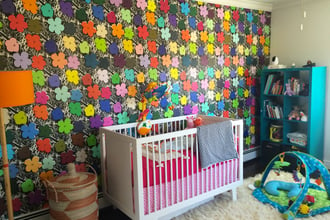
point(92, 61)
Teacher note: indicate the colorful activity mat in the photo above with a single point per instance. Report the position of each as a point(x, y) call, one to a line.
point(297, 198)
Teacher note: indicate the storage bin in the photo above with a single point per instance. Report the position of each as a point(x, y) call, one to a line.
point(297, 138)
point(276, 133)
point(73, 195)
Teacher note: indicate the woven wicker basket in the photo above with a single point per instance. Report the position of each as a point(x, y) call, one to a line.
point(73, 196)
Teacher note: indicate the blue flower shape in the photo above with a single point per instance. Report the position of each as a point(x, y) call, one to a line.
point(210, 72)
point(232, 95)
point(137, 20)
point(254, 29)
point(78, 126)
point(10, 152)
point(233, 73)
point(29, 131)
point(193, 97)
point(90, 60)
point(57, 114)
point(186, 60)
point(241, 82)
point(260, 52)
point(161, 50)
point(201, 51)
point(176, 88)
point(129, 74)
point(162, 77)
point(163, 103)
point(221, 105)
point(192, 22)
point(233, 51)
point(113, 49)
point(249, 17)
point(176, 112)
point(105, 105)
point(217, 27)
point(51, 46)
point(76, 95)
point(185, 8)
point(98, 12)
point(13, 170)
point(54, 81)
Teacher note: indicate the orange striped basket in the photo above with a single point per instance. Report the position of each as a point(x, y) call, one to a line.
point(73, 196)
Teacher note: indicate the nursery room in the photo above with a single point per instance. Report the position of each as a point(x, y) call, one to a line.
point(164, 109)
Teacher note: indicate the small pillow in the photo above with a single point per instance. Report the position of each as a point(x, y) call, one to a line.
point(273, 186)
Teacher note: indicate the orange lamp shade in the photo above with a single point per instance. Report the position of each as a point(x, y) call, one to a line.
point(16, 88)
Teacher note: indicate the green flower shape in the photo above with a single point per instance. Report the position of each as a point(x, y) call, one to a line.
point(175, 98)
point(266, 29)
point(246, 113)
point(100, 44)
point(193, 11)
point(161, 22)
point(48, 163)
point(211, 38)
point(115, 78)
point(232, 28)
point(169, 113)
point(182, 50)
point(240, 92)
point(126, 15)
point(44, 131)
point(210, 24)
point(65, 126)
point(129, 34)
point(247, 52)
point(248, 121)
point(267, 41)
point(75, 108)
point(38, 77)
point(235, 82)
point(123, 118)
point(47, 10)
point(81, 15)
point(226, 71)
point(91, 140)
point(96, 151)
point(201, 75)
point(55, 25)
point(20, 118)
point(62, 93)
point(205, 107)
point(84, 47)
point(153, 74)
point(254, 49)
point(193, 48)
point(60, 146)
point(1, 25)
point(165, 33)
point(235, 103)
point(27, 186)
point(248, 140)
point(1, 172)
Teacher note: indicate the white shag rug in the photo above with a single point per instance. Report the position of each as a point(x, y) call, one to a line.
point(246, 207)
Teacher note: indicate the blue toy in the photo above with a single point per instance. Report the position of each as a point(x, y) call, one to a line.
point(296, 206)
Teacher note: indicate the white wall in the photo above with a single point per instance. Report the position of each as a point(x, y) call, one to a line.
point(292, 45)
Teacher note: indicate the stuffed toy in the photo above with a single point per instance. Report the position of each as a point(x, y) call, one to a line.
point(294, 114)
point(288, 90)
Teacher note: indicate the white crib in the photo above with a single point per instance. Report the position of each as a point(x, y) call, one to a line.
point(146, 183)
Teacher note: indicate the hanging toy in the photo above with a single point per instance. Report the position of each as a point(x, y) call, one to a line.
point(297, 176)
point(279, 164)
point(144, 126)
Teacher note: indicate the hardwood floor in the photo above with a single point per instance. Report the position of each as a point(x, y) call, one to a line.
point(251, 168)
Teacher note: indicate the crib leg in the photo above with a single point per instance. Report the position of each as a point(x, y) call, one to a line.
point(234, 194)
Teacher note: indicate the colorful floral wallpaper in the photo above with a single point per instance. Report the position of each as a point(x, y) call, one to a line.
point(92, 61)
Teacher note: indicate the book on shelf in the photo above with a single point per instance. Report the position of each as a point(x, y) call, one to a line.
point(273, 111)
point(296, 85)
point(273, 86)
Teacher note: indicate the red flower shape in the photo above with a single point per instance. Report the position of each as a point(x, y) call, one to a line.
point(183, 76)
point(225, 114)
point(249, 81)
point(152, 46)
point(17, 204)
point(38, 62)
point(236, 15)
point(164, 6)
point(44, 145)
point(221, 37)
point(200, 26)
point(252, 110)
point(88, 28)
point(226, 49)
point(246, 73)
point(87, 79)
point(94, 91)
point(227, 61)
point(17, 23)
point(67, 157)
point(154, 62)
point(185, 35)
point(143, 32)
point(249, 39)
point(33, 41)
point(186, 85)
point(111, 17)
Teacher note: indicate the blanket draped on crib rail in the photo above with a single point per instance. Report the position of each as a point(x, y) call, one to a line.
point(216, 143)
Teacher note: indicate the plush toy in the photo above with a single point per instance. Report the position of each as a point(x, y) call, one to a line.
point(294, 114)
point(190, 122)
point(273, 186)
point(288, 90)
point(303, 117)
point(198, 121)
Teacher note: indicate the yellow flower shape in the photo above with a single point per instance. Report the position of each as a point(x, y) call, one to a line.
point(247, 52)
point(182, 50)
point(20, 118)
point(227, 15)
point(140, 77)
point(174, 73)
point(211, 85)
point(128, 45)
point(218, 96)
point(32, 165)
point(246, 93)
point(151, 5)
point(217, 74)
point(69, 43)
point(210, 49)
point(183, 100)
point(252, 130)
point(117, 30)
point(89, 110)
point(240, 49)
point(266, 50)
point(204, 36)
point(72, 76)
point(240, 71)
point(173, 47)
point(101, 31)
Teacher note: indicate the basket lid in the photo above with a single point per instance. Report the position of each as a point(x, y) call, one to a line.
point(73, 179)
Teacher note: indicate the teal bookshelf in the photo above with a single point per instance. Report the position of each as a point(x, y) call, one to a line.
point(308, 87)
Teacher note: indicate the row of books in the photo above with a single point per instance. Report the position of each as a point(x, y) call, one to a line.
point(296, 85)
point(273, 86)
point(273, 111)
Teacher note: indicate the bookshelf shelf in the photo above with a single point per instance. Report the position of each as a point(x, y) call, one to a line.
point(285, 90)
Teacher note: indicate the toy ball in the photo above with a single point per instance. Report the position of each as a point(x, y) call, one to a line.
point(304, 209)
point(197, 121)
point(144, 127)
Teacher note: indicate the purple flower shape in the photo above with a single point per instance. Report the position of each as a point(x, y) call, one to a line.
point(241, 27)
point(8, 7)
point(193, 97)
point(217, 27)
point(204, 60)
point(54, 81)
point(161, 50)
point(200, 51)
point(176, 112)
point(13, 170)
point(144, 61)
point(127, 4)
point(76, 95)
point(162, 77)
point(105, 105)
point(221, 61)
point(66, 8)
point(117, 107)
point(187, 109)
point(78, 126)
point(233, 51)
point(51, 47)
point(186, 60)
point(35, 198)
point(163, 103)
point(113, 49)
point(221, 105)
point(119, 61)
point(192, 22)
point(232, 95)
point(137, 20)
point(22, 60)
point(57, 114)
point(95, 122)
point(233, 73)
point(29, 131)
point(210, 14)
point(248, 101)
point(172, 20)
point(98, 12)
point(90, 60)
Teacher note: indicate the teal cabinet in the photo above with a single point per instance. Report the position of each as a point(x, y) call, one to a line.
point(292, 107)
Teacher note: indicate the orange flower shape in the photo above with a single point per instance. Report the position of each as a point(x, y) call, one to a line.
point(226, 93)
point(249, 81)
point(49, 175)
point(166, 60)
point(143, 32)
point(59, 60)
point(226, 49)
point(32, 165)
point(152, 46)
point(94, 91)
point(38, 62)
point(140, 77)
point(44, 145)
point(132, 90)
point(40, 112)
point(155, 103)
point(262, 40)
point(88, 28)
point(225, 114)
point(33, 41)
point(154, 62)
point(30, 5)
point(186, 85)
point(183, 76)
point(185, 35)
point(227, 61)
point(204, 36)
point(235, 60)
point(249, 39)
point(117, 30)
point(151, 18)
point(226, 25)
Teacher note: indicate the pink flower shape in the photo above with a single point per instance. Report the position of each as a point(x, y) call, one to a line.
point(203, 10)
point(121, 90)
point(73, 62)
point(107, 121)
point(241, 61)
point(42, 97)
point(194, 110)
point(220, 13)
point(217, 51)
point(117, 107)
point(105, 92)
point(12, 45)
point(116, 2)
point(139, 49)
point(194, 86)
point(175, 61)
point(201, 98)
point(227, 84)
point(141, 4)
point(204, 84)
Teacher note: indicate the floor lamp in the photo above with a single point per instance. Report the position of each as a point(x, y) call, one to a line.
point(16, 89)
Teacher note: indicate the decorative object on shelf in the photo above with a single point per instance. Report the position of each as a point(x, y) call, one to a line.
point(16, 89)
point(309, 64)
point(305, 89)
point(275, 133)
point(297, 138)
point(303, 117)
point(275, 64)
point(294, 114)
point(288, 90)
